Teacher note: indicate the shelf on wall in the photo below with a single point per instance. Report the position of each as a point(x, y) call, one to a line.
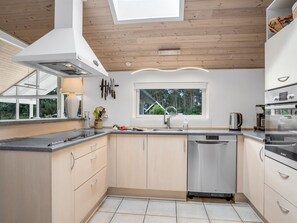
point(278, 8)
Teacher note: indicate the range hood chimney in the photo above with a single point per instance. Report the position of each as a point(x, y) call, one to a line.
point(63, 51)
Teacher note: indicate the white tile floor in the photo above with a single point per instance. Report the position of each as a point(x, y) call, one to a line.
point(130, 210)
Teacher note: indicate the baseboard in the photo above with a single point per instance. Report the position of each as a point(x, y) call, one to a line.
point(94, 209)
point(143, 193)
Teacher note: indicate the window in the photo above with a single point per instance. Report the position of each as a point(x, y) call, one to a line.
point(133, 11)
point(188, 98)
point(35, 96)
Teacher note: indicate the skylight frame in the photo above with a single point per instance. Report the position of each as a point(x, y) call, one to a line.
point(134, 21)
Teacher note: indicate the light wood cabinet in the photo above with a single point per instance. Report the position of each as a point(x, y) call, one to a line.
point(278, 209)
point(253, 173)
point(280, 58)
point(131, 161)
point(112, 161)
point(89, 194)
point(167, 162)
point(61, 186)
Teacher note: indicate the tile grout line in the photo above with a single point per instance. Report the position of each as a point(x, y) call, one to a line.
point(116, 210)
point(237, 213)
point(148, 201)
point(176, 210)
point(206, 212)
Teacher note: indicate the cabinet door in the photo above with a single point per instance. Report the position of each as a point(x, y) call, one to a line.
point(62, 186)
point(280, 58)
point(112, 161)
point(253, 175)
point(167, 162)
point(131, 161)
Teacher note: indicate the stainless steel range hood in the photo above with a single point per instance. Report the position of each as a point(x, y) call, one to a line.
point(63, 51)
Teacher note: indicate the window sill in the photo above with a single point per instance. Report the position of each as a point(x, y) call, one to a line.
point(35, 121)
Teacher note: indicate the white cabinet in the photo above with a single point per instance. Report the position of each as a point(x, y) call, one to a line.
point(278, 209)
point(282, 179)
point(253, 172)
point(280, 192)
point(167, 162)
point(280, 58)
point(131, 161)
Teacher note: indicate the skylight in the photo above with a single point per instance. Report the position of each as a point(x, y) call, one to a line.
point(138, 11)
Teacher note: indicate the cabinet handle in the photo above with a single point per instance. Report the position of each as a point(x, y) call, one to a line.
point(284, 210)
point(73, 160)
point(94, 147)
point(185, 145)
point(283, 79)
point(284, 176)
point(261, 154)
point(93, 158)
point(92, 184)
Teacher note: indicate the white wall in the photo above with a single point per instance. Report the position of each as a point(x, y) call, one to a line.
point(228, 91)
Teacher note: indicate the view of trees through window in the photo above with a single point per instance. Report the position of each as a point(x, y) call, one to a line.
point(186, 101)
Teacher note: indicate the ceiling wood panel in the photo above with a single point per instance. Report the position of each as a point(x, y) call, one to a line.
point(215, 33)
point(10, 73)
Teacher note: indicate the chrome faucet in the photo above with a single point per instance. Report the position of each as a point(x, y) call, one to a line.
point(167, 120)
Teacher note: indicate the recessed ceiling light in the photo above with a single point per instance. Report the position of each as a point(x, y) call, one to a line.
point(128, 64)
point(138, 11)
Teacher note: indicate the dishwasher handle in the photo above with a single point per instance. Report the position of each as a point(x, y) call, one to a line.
point(212, 142)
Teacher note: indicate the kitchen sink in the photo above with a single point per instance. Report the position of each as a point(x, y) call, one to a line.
point(168, 130)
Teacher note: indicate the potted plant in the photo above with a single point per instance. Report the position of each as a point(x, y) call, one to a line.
point(98, 114)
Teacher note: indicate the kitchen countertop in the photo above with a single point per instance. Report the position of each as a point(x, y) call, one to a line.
point(36, 121)
point(42, 143)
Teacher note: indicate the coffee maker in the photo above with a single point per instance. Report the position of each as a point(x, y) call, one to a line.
point(260, 111)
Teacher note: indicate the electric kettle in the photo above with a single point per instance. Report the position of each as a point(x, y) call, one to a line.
point(235, 121)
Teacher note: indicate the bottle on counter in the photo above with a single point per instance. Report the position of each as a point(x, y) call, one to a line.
point(185, 124)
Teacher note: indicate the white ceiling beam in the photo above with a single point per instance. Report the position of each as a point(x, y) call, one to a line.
point(12, 40)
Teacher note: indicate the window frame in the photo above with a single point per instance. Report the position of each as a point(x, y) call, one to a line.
point(203, 86)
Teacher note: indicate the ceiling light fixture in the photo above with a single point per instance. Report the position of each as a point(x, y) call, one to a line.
point(167, 71)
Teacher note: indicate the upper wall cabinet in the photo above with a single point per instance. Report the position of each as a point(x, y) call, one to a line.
point(281, 49)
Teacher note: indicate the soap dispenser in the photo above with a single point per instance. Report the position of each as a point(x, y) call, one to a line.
point(87, 120)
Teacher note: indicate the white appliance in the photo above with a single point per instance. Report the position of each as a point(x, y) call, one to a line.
point(63, 51)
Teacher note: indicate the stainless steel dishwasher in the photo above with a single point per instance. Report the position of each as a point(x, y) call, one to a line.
point(211, 165)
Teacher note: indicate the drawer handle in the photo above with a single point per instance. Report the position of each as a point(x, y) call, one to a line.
point(284, 210)
point(284, 176)
point(283, 79)
point(92, 184)
point(261, 154)
point(94, 147)
point(93, 158)
point(73, 161)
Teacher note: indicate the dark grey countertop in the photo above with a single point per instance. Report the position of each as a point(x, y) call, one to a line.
point(36, 121)
point(62, 140)
point(51, 142)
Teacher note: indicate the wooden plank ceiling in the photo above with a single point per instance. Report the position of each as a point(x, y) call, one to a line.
point(10, 73)
point(215, 33)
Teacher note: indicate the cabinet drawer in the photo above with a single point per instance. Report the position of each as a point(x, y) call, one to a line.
point(84, 148)
point(86, 166)
point(282, 179)
point(87, 196)
point(278, 209)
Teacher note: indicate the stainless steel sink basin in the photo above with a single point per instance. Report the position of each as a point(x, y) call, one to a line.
point(167, 130)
